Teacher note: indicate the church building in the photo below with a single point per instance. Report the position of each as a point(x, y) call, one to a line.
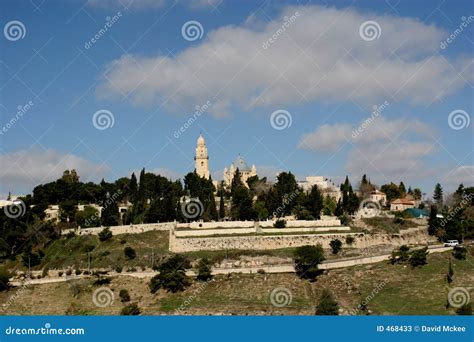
point(202, 158)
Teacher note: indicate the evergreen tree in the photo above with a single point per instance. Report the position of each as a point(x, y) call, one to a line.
point(402, 189)
point(438, 195)
point(221, 207)
point(314, 202)
point(327, 305)
point(133, 188)
point(433, 221)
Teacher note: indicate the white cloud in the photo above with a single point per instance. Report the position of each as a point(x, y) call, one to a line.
point(462, 174)
point(137, 4)
point(319, 56)
point(23, 170)
point(327, 137)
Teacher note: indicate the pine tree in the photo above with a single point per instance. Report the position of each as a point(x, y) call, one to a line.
point(133, 188)
point(221, 207)
point(433, 221)
point(438, 195)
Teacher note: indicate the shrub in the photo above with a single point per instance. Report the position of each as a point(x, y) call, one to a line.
point(77, 272)
point(418, 257)
point(400, 255)
point(336, 246)
point(129, 253)
point(327, 305)
point(350, 240)
point(460, 252)
point(118, 269)
point(102, 281)
point(88, 248)
point(123, 242)
point(280, 223)
point(105, 234)
point(124, 296)
point(307, 259)
point(131, 310)
point(60, 273)
point(204, 270)
point(4, 280)
point(261, 271)
point(68, 272)
point(465, 310)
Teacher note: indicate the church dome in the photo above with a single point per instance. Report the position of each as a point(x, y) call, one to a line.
point(201, 140)
point(241, 164)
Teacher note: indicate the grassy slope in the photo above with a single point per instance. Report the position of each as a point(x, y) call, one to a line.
point(406, 291)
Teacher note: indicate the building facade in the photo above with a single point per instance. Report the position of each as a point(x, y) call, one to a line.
point(245, 171)
point(326, 186)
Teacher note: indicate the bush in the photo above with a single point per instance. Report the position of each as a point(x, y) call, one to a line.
point(418, 257)
point(336, 246)
point(460, 252)
point(465, 310)
point(60, 273)
point(261, 271)
point(400, 255)
point(118, 269)
point(204, 270)
point(88, 248)
point(68, 272)
point(327, 305)
point(350, 240)
point(131, 310)
point(102, 281)
point(172, 275)
point(307, 259)
point(78, 272)
point(123, 242)
point(105, 234)
point(280, 223)
point(124, 296)
point(4, 280)
point(129, 253)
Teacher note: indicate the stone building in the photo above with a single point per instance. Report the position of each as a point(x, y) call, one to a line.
point(245, 171)
point(326, 186)
point(202, 158)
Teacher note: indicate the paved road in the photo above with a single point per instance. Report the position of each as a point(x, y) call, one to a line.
point(284, 268)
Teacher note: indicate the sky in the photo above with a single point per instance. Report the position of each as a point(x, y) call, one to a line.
point(383, 88)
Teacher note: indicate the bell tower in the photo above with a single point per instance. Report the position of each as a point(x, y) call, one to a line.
point(202, 158)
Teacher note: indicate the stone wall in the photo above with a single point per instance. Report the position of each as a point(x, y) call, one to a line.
point(233, 231)
point(326, 221)
point(259, 242)
point(130, 229)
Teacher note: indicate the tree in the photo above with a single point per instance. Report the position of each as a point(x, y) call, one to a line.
point(221, 207)
point(124, 295)
point(172, 276)
point(105, 234)
point(418, 257)
point(417, 193)
point(4, 280)
point(400, 255)
point(307, 259)
point(460, 252)
point(465, 310)
point(89, 217)
point(330, 205)
point(133, 188)
point(314, 202)
point(336, 246)
point(129, 253)
point(449, 275)
point(131, 310)
point(438, 195)
point(392, 191)
point(433, 221)
point(402, 189)
point(327, 305)
point(204, 270)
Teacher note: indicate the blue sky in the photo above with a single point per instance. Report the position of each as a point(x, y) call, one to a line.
point(319, 70)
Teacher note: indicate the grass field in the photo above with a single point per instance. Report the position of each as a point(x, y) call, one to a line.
point(400, 290)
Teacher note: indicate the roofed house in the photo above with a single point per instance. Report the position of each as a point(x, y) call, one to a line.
point(378, 197)
point(401, 204)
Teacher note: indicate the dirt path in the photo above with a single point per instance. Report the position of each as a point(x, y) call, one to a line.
point(286, 268)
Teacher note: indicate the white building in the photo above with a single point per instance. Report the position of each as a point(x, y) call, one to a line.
point(326, 186)
point(378, 197)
